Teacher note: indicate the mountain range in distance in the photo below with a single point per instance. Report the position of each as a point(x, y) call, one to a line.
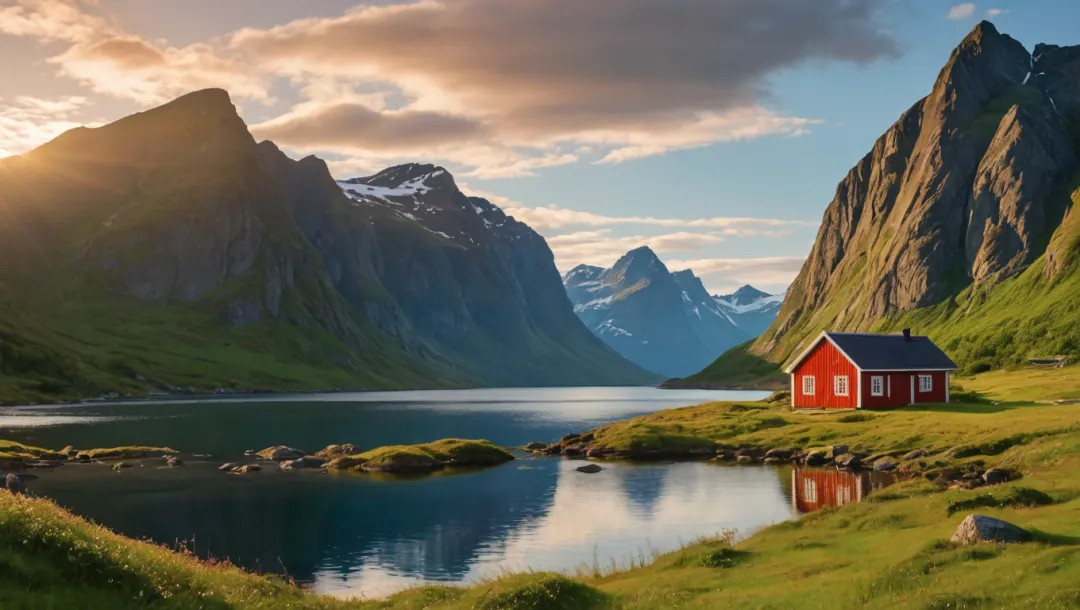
point(170, 251)
point(662, 321)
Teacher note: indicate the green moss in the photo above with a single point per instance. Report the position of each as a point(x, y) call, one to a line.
point(430, 456)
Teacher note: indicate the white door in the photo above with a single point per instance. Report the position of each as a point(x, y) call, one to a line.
point(912, 390)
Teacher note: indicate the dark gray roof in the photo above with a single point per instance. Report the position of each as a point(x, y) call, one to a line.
point(892, 352)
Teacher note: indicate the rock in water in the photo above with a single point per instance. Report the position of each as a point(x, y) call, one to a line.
point(309, 461)
point(590, 468)
point(229, 467)
point(280, 453)
point(536, 446)
point(980, 528)
point(14, 484)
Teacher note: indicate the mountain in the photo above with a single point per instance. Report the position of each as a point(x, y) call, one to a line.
point(959, 222)
point(664, 322)
point(750, 309)
point(169, 249)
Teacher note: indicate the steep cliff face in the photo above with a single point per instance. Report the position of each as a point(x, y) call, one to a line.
point(475, 283)
point(173, 225)
point(963, 192)
point(665, 322)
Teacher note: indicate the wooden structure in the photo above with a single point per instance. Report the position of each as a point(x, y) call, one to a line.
point(869, 371)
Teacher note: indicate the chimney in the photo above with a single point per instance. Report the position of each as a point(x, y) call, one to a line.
point(907, 334)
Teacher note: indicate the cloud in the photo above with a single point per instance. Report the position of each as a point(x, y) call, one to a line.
point(724, 274)
point(358, 127)
point(628, 78)
point(601, 248)
point(554, 217)
point(129, 67)
point(27, 121)
point(994, 12)
point(108, 61)
point(962, 11)
point(50, 20)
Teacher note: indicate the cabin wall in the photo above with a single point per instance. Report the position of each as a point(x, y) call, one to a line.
point(898, 389)
point(825, 362)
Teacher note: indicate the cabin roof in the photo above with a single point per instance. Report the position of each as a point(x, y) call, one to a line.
point(874, 352)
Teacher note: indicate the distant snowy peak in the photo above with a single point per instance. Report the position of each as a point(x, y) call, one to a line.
point(767, 302)
point(744, 296)
point(583, 273)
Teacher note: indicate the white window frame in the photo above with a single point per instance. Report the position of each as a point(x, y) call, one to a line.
point(810, 490)
point(809, 385)
point(837, 382)
point(877, 385)
point(926, 383)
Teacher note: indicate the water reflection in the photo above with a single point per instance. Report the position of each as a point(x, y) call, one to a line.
point(814, 489)
point(350, 535)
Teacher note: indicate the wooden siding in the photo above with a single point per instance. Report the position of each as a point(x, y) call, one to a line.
point(900, 393)
point(825, 362)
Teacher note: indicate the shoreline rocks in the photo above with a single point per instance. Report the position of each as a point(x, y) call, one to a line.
point(280, 453)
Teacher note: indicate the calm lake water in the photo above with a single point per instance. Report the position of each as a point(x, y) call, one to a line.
point(353, 534)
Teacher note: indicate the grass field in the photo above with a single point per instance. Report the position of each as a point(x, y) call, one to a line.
point(890, 551)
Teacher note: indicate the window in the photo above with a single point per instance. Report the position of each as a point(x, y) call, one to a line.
point(808, 385)
point(840, 385)
point(877, 386)
point(926, 383)
point(810, 490)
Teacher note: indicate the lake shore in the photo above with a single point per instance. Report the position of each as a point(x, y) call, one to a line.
point(891, 551)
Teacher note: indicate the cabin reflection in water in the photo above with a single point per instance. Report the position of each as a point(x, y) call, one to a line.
point(814, 489)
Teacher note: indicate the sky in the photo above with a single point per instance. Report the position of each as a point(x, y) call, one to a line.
point(713, 131)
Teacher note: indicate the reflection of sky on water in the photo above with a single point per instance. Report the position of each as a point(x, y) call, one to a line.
point(603, 517)
point(357, 534)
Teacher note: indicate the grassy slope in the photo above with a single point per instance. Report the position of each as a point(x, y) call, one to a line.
point(888, 552)
point(73, 346)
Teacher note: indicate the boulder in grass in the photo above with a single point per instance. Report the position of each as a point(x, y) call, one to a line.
point(885, 464)
point(980, 528)
point(14, 484)
point(995, 476)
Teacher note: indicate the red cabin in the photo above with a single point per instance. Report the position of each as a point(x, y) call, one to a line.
point(867, 371)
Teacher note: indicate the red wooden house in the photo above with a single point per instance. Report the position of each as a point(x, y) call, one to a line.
point(867, 371)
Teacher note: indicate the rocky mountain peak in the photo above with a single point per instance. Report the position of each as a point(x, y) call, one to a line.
point(744, 295)
point(640, 263)
point(411, 175)
point(964, 190)
point(691, 285)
